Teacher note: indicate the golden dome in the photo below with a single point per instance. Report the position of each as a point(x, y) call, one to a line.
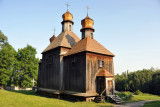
point(87, 22)
point(67, 16)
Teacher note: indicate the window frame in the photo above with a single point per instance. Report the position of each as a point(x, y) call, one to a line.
point(100, 63)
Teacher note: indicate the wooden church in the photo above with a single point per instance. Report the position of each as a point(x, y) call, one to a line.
point(74, 67)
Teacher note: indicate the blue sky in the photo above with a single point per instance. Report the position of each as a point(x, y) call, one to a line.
point(128, 28)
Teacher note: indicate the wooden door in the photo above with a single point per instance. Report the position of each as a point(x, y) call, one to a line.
point(110, 87)
point(100, 84)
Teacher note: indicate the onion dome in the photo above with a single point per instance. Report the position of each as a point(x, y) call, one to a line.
point(67, 16)
point(87, 23)
point(52, 38)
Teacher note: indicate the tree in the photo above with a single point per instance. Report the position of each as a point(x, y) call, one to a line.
point(155, 83)
point(3, 39)
point(26, 67)
point(7, 60)
point(146, 80)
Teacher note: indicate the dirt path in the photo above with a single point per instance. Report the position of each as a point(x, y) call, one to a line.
point(134, 104)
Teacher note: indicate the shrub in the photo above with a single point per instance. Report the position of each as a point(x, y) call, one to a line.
point(138, 92)
point(125, 95)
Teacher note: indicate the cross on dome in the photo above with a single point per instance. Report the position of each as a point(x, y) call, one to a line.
point(67, 5)
point(87, 10)
point(54, 30)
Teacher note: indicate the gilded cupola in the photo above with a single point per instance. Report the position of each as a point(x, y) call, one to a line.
point(67, 16)
point(87, 27)
point(67, 22)
point(87, 22)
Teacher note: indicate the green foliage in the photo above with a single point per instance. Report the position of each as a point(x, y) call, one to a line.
point(146, 80)
point(27, 66)
point(7, 60)
point(17, 68)
point(138, 92)
point(125, 95)
point(155, 83)
point(3, 40)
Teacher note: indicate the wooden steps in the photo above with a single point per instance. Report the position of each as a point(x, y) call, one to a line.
point(116, 99)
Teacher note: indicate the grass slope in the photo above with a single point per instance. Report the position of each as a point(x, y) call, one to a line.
point(32, 99)
point(143, 97)
point(152, 104)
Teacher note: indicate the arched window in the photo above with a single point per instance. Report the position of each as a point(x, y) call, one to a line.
point(69, 27)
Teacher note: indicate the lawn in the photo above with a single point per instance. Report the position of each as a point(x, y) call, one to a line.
point(32, 99)
point(152, 104)
point(143, 97)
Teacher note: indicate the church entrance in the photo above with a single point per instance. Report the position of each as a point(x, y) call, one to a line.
point(110, 87)
point(104, 82)
point(100, 85)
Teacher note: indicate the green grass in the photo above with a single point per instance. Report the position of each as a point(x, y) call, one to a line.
point(152, 104)
point(32, 99)
point(142, 97)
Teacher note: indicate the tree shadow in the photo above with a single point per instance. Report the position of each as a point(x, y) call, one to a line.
point(35, 93)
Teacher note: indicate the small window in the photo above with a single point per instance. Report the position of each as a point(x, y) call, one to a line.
point(92, 35)
point(101, 63)
point(73, 64)
point(69, 27)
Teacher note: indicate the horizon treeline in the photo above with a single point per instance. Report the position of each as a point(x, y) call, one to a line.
point(17, 68)
point(146, 80)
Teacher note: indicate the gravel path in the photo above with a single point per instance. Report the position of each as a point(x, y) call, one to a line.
point(134, 104)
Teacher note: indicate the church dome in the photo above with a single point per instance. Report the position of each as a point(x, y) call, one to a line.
point(52, 38)
point(87, 22)
point(67, 16)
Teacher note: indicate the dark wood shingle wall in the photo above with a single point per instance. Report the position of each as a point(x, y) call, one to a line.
point(74, 72)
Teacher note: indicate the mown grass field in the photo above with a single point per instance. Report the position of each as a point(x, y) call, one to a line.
point(32, 99)
point(143, 97)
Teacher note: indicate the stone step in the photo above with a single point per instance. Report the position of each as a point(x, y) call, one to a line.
point(116, 99)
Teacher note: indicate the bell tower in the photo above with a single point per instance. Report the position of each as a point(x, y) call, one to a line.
point(87, 27)
point(67, 23)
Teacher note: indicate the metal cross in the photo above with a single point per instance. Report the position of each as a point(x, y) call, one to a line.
point(87, 10)
point(54, 30)
point(67, 5)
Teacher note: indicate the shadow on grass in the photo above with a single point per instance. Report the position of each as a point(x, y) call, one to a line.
point(34, 93)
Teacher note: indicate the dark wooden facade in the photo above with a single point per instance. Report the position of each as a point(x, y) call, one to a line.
point(50, 70)
point(75, 67)
point(75, 72)
point(80, 71)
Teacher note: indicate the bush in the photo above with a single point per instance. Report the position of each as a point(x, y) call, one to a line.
point(125, 95)
point(138, 92)
point(122, 94)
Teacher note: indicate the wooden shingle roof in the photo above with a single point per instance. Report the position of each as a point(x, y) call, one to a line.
point(65, 39)
point(90, 45)
point(105, 73)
